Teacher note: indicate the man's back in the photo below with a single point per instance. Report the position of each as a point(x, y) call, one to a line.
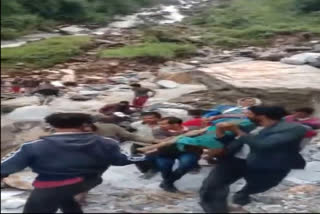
point(276, 147)
point(63, 156)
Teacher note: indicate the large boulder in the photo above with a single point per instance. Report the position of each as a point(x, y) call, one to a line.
point(10, 105)
point(14, 133)
point(273, 82)
point(301, 59)
point(178, 77)
point(30, 113)
point(167, 84)
point(314, 61)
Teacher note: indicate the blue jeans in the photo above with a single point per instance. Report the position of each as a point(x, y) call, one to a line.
point(187, 162)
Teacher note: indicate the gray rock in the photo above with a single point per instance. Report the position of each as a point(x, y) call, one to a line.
point(300, 59)
point(80, 98)
point(89, 93)
point(302, 48)
point(156, 106)
point(30, 113)
point(316, 156)
point(98, 87)
point(314, 61)
point(271, 56)
point(12, 104)
point(119, 80)
point(145, 75)
point(71, 30)
point(167, 84)
point(304, 177)
point(316, 48)
point(313, 166)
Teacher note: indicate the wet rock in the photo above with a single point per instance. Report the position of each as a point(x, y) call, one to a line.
point(167, 84)
point(167, 105)
point(80, 98)
point(301, 59)
point(271, 56)
point(304, 177)
point(89, 93)
point(102, 87)
point(66, 105)
point(316, 156)
point(119, 80)
point(314, 61)
point(316, 48)
point(30, 113)
point(71, 30)
point(146, 75)
point(19, 102)
point(13, 133)
point(58, 84)
point(313, 166)
point(302, 48)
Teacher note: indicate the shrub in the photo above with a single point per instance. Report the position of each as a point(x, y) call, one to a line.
point(45, 53)
point(153, 50)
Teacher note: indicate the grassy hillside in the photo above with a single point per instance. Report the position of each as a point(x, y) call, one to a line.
point(248, 22)
point(161, 50)
point(23, 16)
point(44, 53)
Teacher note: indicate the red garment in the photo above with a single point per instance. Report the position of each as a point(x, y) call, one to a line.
point(16, 89)
point(194, 122)
point(313, 122)
point(311, 134)
point(140, 101)
point(53, 184)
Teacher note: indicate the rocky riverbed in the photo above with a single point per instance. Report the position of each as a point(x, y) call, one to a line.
point(124, 190)
point(286, 73)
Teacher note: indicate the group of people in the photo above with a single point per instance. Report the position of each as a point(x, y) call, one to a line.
point(261, 144)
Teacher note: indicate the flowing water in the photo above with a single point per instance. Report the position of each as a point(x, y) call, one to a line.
point(168, 13)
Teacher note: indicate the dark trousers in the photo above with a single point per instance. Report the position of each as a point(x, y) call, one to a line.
point(215, 188)
point(187, 162)
point(144, 166)
point(49, 200)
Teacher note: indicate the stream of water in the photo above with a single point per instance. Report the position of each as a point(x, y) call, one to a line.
point(160, 14)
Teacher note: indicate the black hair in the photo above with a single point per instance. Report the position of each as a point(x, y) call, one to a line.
point(307, 110)
point(155, 114)
point(126, 102)
point(172, 120)
point(135, 85)
point(271, 112)
point(68, 120)
point(196, 112)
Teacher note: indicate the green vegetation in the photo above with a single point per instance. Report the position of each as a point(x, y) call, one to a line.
point(45, 53)
point(247, 22)
point(20, 17)
point(154, 50)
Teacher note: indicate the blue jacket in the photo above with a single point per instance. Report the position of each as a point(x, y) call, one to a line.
point(63, 156)
point(274, 148)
